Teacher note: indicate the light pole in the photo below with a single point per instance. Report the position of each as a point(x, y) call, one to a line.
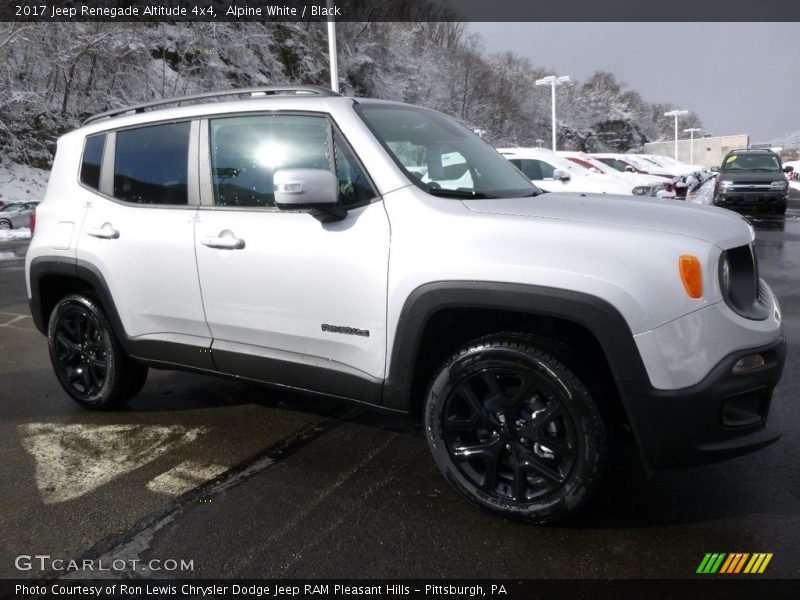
point(691, 131)
point(676, 113)
point(332, 49)
point(553, 81)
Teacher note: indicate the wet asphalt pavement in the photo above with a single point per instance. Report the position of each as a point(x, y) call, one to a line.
point(249, 482)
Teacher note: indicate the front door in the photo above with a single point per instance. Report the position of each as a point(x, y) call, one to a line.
point(288, 298)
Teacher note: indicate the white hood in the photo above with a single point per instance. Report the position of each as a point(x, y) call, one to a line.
point(715, 225)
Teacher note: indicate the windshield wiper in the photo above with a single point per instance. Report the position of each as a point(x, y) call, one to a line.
point(465, 194)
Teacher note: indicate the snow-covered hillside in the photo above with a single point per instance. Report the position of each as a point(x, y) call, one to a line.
point(55, 74)
point(20, 183)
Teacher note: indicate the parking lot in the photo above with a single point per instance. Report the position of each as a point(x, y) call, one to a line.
point(245, 481)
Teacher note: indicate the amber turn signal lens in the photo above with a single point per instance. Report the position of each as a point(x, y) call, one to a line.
point(691, 275)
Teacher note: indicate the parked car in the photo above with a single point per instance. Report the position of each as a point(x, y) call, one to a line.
point(553, 173)
point(645, 185)
point(631, 163)
point(752, 180)
point(16, 215)
point(289, 238)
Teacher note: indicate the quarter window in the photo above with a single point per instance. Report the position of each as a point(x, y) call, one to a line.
point(92, 159)
point(151, 164)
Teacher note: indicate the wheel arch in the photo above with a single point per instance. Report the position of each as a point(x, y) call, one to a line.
point(52, 278)
point(437, 318)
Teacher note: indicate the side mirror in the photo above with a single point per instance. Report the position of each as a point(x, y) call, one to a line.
point(788, 169)
point(715, 169)
point(561, 175)
point(314, 190)
point(629, 169)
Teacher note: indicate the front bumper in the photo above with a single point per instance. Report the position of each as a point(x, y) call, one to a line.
point(698, 424)
point(751, 200)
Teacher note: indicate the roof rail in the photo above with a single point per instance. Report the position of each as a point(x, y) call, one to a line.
point(270, 90)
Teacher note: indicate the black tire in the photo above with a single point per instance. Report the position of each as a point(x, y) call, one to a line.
point(514, 430)
point(5, 224)
point(780, 210)
point(87, 357)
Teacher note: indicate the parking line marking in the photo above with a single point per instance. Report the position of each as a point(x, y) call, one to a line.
point(184, 477)
point(75, 459)
point(14, 320)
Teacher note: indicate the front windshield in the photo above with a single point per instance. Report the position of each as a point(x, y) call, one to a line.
point(11, 207)
point(441, 156)
point(751, 162)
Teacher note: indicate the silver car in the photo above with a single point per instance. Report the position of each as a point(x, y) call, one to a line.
point(16, 215)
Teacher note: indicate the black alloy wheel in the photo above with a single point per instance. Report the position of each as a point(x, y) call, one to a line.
point(514, 430)
point(87, 357)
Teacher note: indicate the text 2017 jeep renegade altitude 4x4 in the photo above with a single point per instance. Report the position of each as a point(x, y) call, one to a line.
point(328, 244)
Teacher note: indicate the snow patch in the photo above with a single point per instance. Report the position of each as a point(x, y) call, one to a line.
point(21, 183)
point(23, 233)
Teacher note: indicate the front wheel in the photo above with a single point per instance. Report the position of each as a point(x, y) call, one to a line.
point(87, 357)
point(514, 430)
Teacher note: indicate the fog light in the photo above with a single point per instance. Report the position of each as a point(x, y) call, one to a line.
point(746, 408)
point(748, 363)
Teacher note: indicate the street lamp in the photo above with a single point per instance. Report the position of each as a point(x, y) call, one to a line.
point(676, 114)
point(332, 55)
point(691, 131)
point(553, 81)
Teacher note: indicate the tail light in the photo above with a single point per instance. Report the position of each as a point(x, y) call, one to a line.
point(33, 221)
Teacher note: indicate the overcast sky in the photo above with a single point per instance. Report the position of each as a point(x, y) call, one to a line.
point(738, 77)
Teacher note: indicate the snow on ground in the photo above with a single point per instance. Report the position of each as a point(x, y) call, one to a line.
point(21, 183)
point(23, 233)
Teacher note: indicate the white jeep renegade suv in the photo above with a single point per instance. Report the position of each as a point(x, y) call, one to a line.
point(382, 253)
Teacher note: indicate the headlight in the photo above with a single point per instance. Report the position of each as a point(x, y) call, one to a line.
point(779, 185)
point(725, 185)
point(725, 274)
point(739, 283)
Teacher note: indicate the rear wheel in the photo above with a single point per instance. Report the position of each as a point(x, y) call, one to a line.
point(87, 357)
point(514, 430)
point(5, 224)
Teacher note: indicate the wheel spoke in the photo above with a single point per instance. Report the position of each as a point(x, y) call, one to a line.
point(542, 466)
point(475, 405)
point(560, 447)
point(490, 379)
point(520, 478)
point(68, 345)
point(522, 394)
point(489, 482)
point(87, 380)
point(470, 451)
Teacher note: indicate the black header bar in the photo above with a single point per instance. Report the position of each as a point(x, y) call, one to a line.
point(399, 10)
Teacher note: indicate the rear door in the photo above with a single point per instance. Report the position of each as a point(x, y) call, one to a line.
point(288, 298)
point(138, 235)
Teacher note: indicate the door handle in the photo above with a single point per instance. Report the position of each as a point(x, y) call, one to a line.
point(224, 241)
point(106, 232)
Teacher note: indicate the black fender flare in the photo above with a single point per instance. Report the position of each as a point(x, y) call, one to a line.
point(596, 315)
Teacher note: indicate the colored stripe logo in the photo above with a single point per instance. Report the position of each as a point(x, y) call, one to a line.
point(735, 562)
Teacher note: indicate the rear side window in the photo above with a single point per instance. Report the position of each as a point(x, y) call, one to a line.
point(151, 164)
point(92, 159)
